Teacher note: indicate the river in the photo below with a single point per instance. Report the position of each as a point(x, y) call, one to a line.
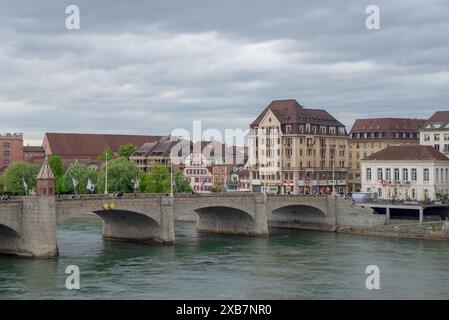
point(289, 264)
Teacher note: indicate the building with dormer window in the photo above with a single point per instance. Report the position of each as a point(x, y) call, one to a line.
point(297, 150)
point(435, 132)
point(368, 136)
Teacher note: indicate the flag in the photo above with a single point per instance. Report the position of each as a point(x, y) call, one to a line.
point(75, 183)
point(136, 183)
point(90, 186)
point(25, 185)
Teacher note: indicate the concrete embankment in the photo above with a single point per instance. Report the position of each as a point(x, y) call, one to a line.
point(438, 230)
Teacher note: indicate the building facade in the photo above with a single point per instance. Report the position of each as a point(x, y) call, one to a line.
point(197, 172)
point(221, 176)
point(408, 172)
point(11, 149)
point(86, 148)
point(292, 149)
point(435, 132)
point(160, 152)
point(368, 136)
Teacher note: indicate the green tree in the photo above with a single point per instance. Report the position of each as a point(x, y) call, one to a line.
point(182, 184)
point(82, 174)
point(16, 173)
point(158, 180)
point(127, 150)
point(106, 151)
point(56, 166)
point(121, 173)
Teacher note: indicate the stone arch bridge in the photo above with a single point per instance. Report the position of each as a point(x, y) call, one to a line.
point(28, 224)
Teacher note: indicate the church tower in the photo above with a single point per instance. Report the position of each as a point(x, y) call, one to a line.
point(45, 180)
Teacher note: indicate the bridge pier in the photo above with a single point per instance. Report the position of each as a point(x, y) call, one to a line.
point(38, 228)
point(124, 225)
point(251, 219)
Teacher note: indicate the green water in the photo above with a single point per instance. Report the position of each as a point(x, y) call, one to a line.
point(289, 264)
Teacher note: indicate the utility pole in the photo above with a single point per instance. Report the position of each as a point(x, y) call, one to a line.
point(333, 176)
point(106, 175)
point(171, 178)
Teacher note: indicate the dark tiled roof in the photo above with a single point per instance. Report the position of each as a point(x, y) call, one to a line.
point(388, 126)
point(408, 152)
point(161, 147)
point(291, 112)
point(440, 117)
point(92, 145)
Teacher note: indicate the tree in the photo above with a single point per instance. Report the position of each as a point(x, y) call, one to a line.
point(16, 173)
point(158, 181)
point(80, 173)
point(182, 184)
point(106, 151)
point(56, 166)
point(127, 150)
point(121, 173)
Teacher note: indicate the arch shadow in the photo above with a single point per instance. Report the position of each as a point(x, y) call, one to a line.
point(226, 220)
point(297, 217)
point(7, 232)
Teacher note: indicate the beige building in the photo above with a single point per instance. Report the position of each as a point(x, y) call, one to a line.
point(406, 173)
point(368, 136)
point(435, 132)
point(297, 150)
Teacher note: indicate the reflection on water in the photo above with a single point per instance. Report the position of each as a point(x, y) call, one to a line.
point(290, 264)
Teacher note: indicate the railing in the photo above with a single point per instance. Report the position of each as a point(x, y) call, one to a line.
point(403, 202)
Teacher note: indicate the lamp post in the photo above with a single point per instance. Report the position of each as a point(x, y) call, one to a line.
point(106, 175)
point(171, 178)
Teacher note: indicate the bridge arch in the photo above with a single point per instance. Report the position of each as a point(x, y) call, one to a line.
point(119, 224)
point(297, 216)
point(224, 219)
point(8, 232)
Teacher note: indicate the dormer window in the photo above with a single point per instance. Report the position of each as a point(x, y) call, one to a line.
point(288, 128)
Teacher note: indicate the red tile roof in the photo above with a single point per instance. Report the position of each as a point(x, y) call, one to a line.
point(441, 117)
point(291, 112)
point(90, 145)
point(387, 126)
point(408, 152)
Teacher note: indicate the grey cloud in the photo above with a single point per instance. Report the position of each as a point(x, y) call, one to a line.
point(152, 66)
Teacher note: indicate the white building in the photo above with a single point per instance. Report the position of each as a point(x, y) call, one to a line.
point(406, 172)
point(197, 172)
point(435, 132)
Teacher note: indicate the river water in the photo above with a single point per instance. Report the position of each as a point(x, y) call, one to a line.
point(289, 264)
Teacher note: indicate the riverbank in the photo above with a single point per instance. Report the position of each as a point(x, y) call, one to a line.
point(435, 230)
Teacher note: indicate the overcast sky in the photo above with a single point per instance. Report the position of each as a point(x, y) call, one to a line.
point(147, 67)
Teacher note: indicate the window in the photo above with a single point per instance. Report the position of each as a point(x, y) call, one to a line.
point(379, 192)
point(426, 175)
point(405, 174)
point(437, 176)
point(414, 174)
point(388, 174)
point(446, 136)
point(380, 174)
point(437, 147)
point(413, 193)
point(436, 137)
point(6, 145)
point(288, 128)
point(396, 174)
point(368, 174)
point(427, 137)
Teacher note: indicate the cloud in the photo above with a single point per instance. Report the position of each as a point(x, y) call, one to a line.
point(155, 66)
